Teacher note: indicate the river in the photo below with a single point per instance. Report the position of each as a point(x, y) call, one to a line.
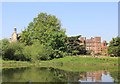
point(49, 74)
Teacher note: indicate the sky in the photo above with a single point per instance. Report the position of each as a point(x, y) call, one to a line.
point(88, 19)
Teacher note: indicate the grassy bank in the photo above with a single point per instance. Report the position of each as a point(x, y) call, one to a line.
point(81, 63)
point(13, 64)
point(68, 63)
point(82, 60)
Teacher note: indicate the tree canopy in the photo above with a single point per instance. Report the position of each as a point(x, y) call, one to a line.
point(114, 47)
point(74, 47)
point(47, 30)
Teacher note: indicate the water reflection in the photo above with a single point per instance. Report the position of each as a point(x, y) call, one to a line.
point(96, 76)
point(44, 74)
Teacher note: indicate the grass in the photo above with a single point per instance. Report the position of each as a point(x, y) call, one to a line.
point(68, 63)
point(13, 64)
point(86, 60)
point(81, 63)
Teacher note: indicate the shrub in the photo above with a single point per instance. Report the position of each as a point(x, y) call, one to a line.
point(37, 52)
point(14, 52)
point(3, 46)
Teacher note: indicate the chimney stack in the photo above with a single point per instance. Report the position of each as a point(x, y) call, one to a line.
point(15, 30)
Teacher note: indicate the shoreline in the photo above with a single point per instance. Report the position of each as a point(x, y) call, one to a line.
point(65, 61)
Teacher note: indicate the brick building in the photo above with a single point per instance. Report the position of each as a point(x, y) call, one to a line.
point(94, 45)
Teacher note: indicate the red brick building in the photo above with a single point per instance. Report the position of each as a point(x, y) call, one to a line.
point(94, 45)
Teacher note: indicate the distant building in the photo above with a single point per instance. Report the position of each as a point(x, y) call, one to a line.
point(15, 37)
point(94, 45)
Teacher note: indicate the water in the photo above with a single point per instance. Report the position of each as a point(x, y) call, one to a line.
point(48, 74)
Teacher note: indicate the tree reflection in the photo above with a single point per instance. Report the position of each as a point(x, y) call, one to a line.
point(48, 74)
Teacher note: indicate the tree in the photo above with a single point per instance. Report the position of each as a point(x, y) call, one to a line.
point(74, 47)
point(3, 46)
point(47, 30)
point(114, 47)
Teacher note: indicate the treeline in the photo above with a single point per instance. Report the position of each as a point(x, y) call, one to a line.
point(36, 51)
point(43, 39)
point(18, 51)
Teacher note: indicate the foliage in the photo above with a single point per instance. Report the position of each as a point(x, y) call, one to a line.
point(3, 46)
point(114, 47)
point(74, 47)
point(47, 30)
point(37, 52)
point(18, 51)
point(14, 52)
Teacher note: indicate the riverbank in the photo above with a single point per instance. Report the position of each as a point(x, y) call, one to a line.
point(14, 64)
point(63, 68)
point(82, 63)
point(82, 60)
point(68, 62)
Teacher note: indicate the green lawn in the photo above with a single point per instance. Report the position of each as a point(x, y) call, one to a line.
point(68, 63)
point(81, 63)
point(86, 60)
point(13, 64)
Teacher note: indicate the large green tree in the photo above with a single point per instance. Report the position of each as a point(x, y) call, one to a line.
point(114, 47)
point(47, 30)
point(74, 47)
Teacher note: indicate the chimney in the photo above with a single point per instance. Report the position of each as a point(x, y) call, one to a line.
point(15, 30)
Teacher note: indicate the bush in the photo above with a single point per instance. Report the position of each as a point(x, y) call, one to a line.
point(27, 52)
point(37, 52)
point(3, 46)
point(14, 52)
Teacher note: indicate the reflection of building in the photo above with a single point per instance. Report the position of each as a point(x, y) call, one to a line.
point(15, 36)
point(92, 76)
point(94, 45)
